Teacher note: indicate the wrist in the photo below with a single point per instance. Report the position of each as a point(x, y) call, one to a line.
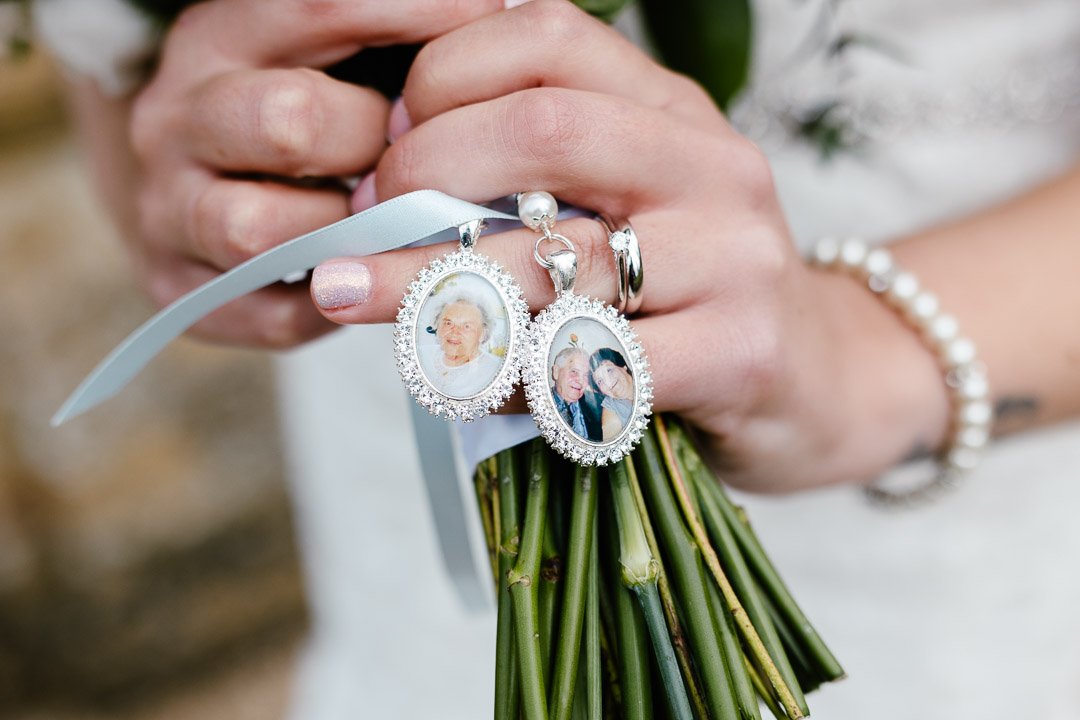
point(891, 402)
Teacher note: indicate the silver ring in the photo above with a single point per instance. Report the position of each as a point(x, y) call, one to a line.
point(624, 245)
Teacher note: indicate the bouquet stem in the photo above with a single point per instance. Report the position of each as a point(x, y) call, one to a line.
point(522, 581)
point(734, 606)
point(507, 521)
point(582, 522)
point(620, 599)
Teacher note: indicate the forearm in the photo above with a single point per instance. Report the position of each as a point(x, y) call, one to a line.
point(1010, 277)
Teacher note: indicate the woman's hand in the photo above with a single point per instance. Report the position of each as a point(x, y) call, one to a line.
point(232, 130)
point(793, 377)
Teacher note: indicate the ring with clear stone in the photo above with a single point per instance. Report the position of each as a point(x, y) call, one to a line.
point(624, 245)
point(965, 375)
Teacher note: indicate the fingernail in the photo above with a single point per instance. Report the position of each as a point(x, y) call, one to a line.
point(363, 196)
point(399, 122)
point(341, 284)
point(514, 3)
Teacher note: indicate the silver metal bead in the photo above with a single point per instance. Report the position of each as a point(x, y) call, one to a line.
point(537, 208)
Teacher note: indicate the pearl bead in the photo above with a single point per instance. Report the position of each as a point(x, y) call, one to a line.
point(537, 208)
point(973, 437)
point(878, 261)
point(974, 387)
point(977, 413)
point(943, 328)
point(826, 251)
point(924, 306)
point(852, 253)
point(963, 458)
point(904, 287)
point(960, 351)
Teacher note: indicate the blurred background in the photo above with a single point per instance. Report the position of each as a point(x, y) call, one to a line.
point(147, 560)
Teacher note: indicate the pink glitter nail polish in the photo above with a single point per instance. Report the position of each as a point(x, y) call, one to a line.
point(340, 284)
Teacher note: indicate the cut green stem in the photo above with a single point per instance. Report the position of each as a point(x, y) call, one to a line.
point(683, 557)
point(738, 613)
point(523, 581)
point(593, 671)
point(579, 548)
point(676, 629)
point(742, 580)
point(774, 587)
point(506, 519)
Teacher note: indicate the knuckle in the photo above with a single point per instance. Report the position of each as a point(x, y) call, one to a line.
point(401, 168)
point(754, 172)
point(144, 125)
point(191, 17)
point(545, 125)
point(556, 22)
point(287, 119)
point(161, 284)
point(224, 228)
point(427, 71)
point(594, 256)
point(287, 324)
point(320, 9)
point(686, 91)
point(759, 357)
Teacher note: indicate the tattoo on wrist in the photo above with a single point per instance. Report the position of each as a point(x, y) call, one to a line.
point(1015, 412)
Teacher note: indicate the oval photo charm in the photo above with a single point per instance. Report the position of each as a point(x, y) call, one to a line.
point(587, 380)
point(457, 336)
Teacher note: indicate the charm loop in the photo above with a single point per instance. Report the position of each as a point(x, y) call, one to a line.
point(563, 270)
point(469, 232)
point(544, 261)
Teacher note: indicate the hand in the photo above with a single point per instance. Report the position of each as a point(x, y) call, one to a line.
point(793, 377)
point(234, 126)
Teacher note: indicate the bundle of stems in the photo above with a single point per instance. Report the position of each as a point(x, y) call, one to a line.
point(637, 591)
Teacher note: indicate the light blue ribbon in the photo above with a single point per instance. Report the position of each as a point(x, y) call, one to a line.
point(389, 225)
point(395, 223)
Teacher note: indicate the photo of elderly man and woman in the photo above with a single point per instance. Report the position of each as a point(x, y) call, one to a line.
point(591, 381)
point(462, 334)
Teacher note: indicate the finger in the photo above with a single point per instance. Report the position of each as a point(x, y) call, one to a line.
point(229, 221)
point(370, 289)
point(545, 43)
point(318, 32)
point(286, 122)
point(276, 317)
point(596, 151)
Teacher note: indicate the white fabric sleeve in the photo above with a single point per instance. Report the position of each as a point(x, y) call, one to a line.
point(108, 41)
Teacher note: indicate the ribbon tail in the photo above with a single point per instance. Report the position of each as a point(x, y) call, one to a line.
point(389, 225)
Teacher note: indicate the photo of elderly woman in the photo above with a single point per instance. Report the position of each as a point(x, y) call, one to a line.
point(462, 335)
point(591, 385)
point(612, 379)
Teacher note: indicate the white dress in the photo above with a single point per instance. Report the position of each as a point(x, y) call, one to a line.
point(965, 609)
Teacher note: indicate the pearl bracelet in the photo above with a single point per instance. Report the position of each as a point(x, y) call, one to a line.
point(965, 376)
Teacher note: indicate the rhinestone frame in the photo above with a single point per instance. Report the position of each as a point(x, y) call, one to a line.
point(405, 351)
point(541, 334)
